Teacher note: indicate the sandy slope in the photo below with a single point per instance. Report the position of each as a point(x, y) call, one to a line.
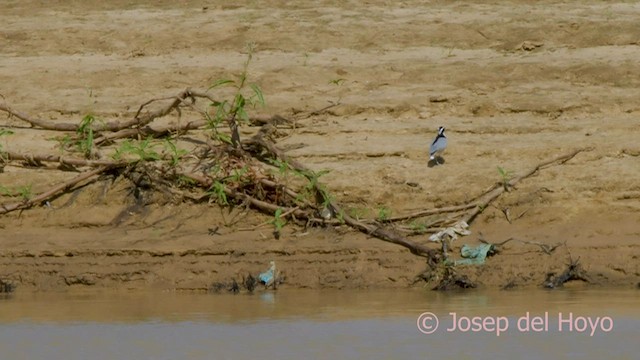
point(515, 84)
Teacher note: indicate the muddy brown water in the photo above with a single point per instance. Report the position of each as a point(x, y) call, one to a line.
point(534, 324)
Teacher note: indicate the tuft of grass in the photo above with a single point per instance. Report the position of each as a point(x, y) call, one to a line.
point(358, 213)
point(24, 191)
point(505, 177)
point(4, 132)
point(86, 135)
point(5, 191)
point(337, 82)
point(173, 151)
point(278, 223)
point(418, 227)
point(216, 191)
point(384, 213)
point(144, 150)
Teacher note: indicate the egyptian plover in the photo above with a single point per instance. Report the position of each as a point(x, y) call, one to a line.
point(438, 145)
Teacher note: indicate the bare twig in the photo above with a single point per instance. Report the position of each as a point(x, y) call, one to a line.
point(147, 131)
point(428, 212)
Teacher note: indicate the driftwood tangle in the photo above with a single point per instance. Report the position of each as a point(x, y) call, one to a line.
point(252, 153)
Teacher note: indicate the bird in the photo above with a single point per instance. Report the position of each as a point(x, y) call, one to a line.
point(438, 145)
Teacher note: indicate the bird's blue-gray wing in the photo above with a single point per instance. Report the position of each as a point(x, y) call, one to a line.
point(439, 144)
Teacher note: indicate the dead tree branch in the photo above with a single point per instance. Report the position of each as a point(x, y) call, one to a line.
point(493, 194)
point(58, 189)
point(64, 160)
point(138, 120)
point(388, 235)
point(546, 248)
point(43, 124)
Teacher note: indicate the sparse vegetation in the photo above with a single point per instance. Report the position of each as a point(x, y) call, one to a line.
point(278, 223)
point(235, 109)
point(505, 177)
point(384, 213)
point(23, 191)
point(85, 136)
point(223, 169)
point(142, 150)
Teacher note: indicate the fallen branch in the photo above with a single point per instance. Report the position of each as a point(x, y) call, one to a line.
point(27, 203)
point(480, 202)
point(256, 203)
point(137, 121)
point(388, 235)
point(546, 248)
point(496, 191)
point(43, 124)
point(429, 212)
point(146, 131)
point(574, 271)
point(64, 160)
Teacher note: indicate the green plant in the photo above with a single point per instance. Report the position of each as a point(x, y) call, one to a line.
point(217, 190)
point(278, 222)
point(5, 191)
point(505, 176)
point(63, 142)
point(235, 109)
point(313, 177)
point(418, 227)
point(144, 150)
point(214, 122)
point(237, 176)
point(4, 132)
point(283, 167)
point(337, 82)
point(175, 153)
point(85, 135)
point(285, 170)
point(185, 181)
point(358, 213)
point(384, 213)
point(24, 192)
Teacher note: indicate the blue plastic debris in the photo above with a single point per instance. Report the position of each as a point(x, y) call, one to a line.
point(268, 276)
point(474, 255)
